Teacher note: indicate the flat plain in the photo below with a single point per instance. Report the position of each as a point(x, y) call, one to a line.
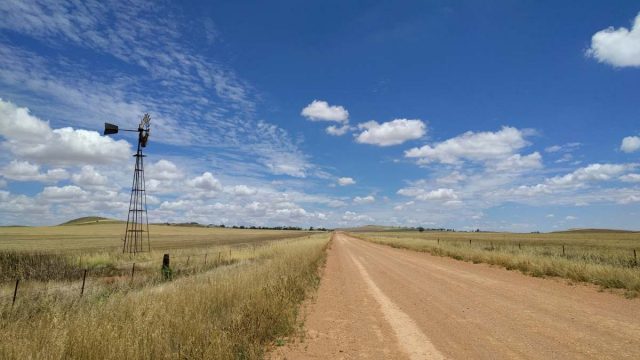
point(238, 293)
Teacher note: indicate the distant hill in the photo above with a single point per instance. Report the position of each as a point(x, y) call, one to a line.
point(91, 220)
point(578, 231)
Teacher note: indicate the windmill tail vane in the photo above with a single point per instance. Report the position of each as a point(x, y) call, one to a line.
point(136, 237)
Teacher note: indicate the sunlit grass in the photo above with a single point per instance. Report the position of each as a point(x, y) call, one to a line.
point(108, 237)
point(231, 305)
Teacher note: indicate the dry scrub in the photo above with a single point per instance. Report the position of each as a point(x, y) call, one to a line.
point(225, 311)
point(604, 259)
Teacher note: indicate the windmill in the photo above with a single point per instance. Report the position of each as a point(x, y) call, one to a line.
point(137, 230)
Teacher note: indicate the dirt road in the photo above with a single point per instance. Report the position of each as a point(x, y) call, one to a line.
point(377, 302)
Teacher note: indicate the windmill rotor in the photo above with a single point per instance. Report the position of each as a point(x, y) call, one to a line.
point(143, 130)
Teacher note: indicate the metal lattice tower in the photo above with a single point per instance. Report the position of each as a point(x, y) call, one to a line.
point(136, 236)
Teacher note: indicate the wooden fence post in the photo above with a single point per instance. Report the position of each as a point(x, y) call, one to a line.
point(84, 278)
point(15, 292)
point(519, 246)
point(166, 269)
point(562, 249)
point(133, 270)
point(469, 242)
point(635, 257)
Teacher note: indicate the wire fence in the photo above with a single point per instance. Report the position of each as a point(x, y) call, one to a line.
point(620, 256)
point(187, 264)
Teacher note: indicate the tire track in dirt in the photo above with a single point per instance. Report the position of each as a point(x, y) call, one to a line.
point(411, 339)
point(378, 302)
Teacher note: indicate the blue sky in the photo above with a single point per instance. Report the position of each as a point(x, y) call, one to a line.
point(517, 116)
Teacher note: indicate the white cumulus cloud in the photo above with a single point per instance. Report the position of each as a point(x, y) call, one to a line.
point(630, 178)
point(443, 194)
point(163, 170)
point(630, 144)
point(344, 181)
point(364, 199)
point(89, 177)
point(481, 146)
point(337, 131)
point(529, 190)
point(353, 217)
point(590, 173)
point(64, 193)
point(320, 110)
point(30, 138)
point(393, 132)
point(206, 182)
point(617, 47)
point(519, 162)
point(25, 171)
point(241, 190)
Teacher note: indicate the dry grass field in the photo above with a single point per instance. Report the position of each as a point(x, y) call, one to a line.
point(233, 292)
point(87, 238)
point(604, 258)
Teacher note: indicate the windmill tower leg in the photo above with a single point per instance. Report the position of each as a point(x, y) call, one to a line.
point(137, 230)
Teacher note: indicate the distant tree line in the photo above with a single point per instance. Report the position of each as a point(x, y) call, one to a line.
point(311, 228)
point(195, 224)
point(421, 229)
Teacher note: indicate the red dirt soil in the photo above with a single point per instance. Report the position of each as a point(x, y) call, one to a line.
point(377, 302)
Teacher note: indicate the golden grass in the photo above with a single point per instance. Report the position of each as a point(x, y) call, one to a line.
point(602, 258)
point(232, 306)
point(108, 237)
point(61, 252)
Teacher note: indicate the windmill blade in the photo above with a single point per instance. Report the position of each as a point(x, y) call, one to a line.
point(145, 123)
